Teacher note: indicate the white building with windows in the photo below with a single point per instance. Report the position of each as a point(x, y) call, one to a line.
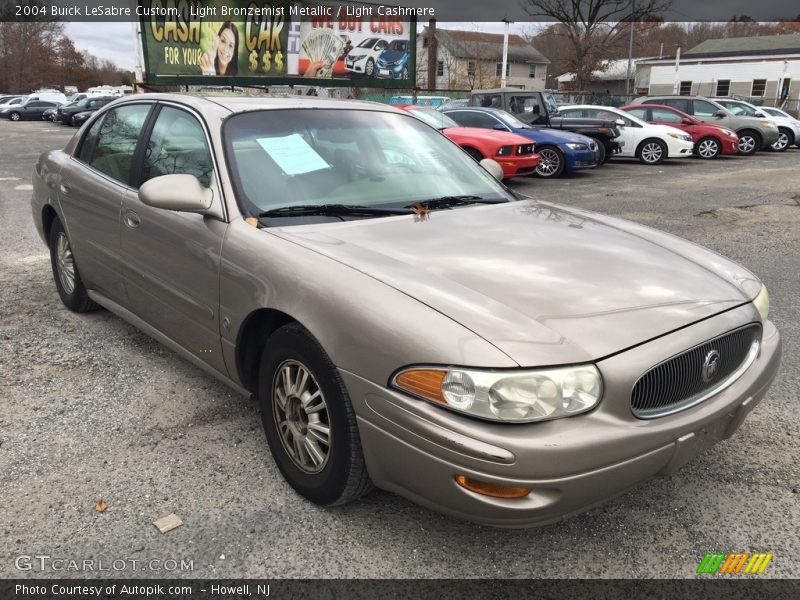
point(474, 60)
point(765, 69)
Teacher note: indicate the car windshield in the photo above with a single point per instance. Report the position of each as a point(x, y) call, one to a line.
point(398, 45)
point(511, 120)
point(299, 157)
point(367, 43)
point(434, 118)
point(741, 109)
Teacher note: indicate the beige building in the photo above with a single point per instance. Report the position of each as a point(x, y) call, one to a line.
point(473, 60)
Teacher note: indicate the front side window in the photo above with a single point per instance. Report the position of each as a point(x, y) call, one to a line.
point(116, 141)
point(295, 157)
point(177, 145)
point(704, 109)
point(665, 116)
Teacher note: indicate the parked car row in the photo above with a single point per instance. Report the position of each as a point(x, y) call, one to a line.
point(50, 108)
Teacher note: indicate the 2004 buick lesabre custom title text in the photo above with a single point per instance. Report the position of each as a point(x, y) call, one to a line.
point(403, 319)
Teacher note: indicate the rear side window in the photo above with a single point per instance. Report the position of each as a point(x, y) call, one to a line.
point(666, 116)
point(177, 145)
point(88, 142)
point(638, 112)
point(116, 142)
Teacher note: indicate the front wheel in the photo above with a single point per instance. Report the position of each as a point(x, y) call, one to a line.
point(309, 421)
point(551, 162)
point(749, 142)
point(474, 154)
point(708, 148)
point(785, 139)
point(604, 157)
point(65, 272)
point(369, 68)
point(651, 152)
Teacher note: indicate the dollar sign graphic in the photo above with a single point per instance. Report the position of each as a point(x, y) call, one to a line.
point(267, 64)
point(279, 61)
point(253, 61)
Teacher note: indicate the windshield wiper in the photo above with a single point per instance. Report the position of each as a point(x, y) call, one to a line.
point(333, 210)
point(445, 201)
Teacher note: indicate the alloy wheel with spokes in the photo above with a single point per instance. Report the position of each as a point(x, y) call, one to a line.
point(708, 148)
point(651, 152)
point(748, 144)
point(301, 416)
point(782, 143)
point(551, 162)
point(65, 263)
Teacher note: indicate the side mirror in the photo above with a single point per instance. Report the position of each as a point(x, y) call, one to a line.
point(494, 168)
point(760, 115)
point(183, 193)
point(620, 122)
point(500, 127)
point(720, 114)
point(686, 121)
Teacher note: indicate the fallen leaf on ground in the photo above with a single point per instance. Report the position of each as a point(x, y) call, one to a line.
point(101, 506)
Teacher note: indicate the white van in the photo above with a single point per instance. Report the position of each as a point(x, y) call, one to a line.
point(47, 96)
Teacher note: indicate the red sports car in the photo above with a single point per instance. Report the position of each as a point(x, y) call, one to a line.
point(709, 140)
point(515, 153)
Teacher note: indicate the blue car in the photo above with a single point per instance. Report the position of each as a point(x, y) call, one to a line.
point(392, 63)
point(559, 151)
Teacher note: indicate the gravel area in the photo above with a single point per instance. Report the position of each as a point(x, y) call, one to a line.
point(92, 408)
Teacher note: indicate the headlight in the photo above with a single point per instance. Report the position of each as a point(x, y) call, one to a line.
point(761, 303)
point(768, 124)
point(504, 150)
point(577, 146)
point(518, 396)
point(357, 57)
point(730, 133)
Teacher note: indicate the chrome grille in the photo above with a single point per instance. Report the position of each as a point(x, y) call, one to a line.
point(680, 382)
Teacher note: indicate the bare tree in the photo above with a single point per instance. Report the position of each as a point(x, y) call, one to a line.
point(591, 26)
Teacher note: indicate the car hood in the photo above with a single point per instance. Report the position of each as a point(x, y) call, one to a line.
point(391, 55)
point(543, 283)
point(553, 136)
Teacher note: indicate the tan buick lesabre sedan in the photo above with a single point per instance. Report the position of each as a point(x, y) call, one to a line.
point(403, 319)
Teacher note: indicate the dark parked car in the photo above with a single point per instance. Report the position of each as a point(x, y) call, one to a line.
point(27, 110)
point(90, 104)
point(81, 117)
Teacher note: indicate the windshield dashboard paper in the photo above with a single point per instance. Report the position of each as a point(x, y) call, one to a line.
point(293, 154)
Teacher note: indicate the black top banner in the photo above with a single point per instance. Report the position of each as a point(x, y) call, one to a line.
point(441, 10)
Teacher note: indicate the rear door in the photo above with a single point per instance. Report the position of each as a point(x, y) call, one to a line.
point(172, 259)
point(90, 190)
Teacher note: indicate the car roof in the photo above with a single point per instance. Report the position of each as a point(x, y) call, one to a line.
point(237, 104)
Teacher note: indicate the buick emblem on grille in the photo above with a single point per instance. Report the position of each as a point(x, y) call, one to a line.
point(710, 365)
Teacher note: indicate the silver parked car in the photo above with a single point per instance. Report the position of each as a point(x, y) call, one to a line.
point(403, 319)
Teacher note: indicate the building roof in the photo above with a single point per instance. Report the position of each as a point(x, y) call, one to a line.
point(612, 70)
point(762, 44)
point(487, 46)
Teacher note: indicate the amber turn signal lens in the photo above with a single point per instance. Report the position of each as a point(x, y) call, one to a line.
point(491, 489)
point(423, 382)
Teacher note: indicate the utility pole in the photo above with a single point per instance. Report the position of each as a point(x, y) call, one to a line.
point(505, 54)
point(630, 49)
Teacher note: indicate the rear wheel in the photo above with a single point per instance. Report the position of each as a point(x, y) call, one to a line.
point(651, 152)
point(551, 162)
point(749, 142)
point(15, 116)
point(602, 151)
point(65, 272)
point(785, 139)
point(309, 421)
point(709, 147)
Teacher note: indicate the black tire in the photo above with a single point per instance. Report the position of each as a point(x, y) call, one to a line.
point(551, 162)
point(369, 68)
point(651, 152)
point(601, 148)
point(14, 116)
point(708, 148)
point(749, 142)
point(785, 139)
point(342, 477)
point(77, 299)
point(474, 154)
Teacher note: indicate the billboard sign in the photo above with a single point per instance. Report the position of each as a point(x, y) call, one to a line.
point(244, 42)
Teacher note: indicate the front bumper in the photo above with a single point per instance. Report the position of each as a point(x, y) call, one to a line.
point(389, 72)
point(678, 148)
point(580, 159)
point(416, 449)
point(730, 145)
point(514, 166)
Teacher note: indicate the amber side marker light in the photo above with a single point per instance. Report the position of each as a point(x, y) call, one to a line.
point(492, 489)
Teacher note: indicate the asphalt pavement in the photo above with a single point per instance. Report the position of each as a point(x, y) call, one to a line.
point(94, 409)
